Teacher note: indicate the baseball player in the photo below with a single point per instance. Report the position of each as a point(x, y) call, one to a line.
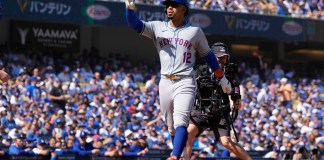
point(177, 42)
point(218, 123)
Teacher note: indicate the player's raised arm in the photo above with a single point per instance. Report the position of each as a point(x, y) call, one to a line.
point(131, 17)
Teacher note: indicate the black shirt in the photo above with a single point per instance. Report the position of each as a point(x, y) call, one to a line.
point(58, 92)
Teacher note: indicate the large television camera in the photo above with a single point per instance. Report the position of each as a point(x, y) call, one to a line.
point(209, 95)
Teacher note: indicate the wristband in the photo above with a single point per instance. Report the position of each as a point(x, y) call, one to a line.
point(219, 73)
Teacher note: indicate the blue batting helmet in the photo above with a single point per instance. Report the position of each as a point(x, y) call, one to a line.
point(182, 2)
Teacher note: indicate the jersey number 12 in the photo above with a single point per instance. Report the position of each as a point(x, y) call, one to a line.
point(186, 57)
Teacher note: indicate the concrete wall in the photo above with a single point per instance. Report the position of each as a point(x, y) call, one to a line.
point(118, 40)
point(4, 31)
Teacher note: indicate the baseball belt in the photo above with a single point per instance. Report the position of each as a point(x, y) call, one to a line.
point(173, 77)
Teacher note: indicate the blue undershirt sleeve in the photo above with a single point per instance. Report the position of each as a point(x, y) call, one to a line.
point(133, 21)
point(211, 60)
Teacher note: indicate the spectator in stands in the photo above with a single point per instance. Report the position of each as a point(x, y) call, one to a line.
point(92, 88)
point(106, 130)
point(51, 143)
point(212, 150)
point(288, 152)
point(91, 127)
point(137, 76)
point(87, 72)
point(77, 75)
point(203, 154)
point(135, 124)
point(285, 90)
point(82, 147)
point(70, 142)
point(56, 95)
point(33, 133)
point(299, 125)
point(151, 83)
point(65, 76)
point(277, 72)
point(320, 147)
point(29, 143)
point(202, 142)
point(127, 82)
point(65, 148)
point(139, 145)
point(111, 151)
point(45, 131)
point(36, 74)
point(274, 154)
point(18, 148)
point(268, 7)
point(8, 122)
point(160, 143)
point(97, 77)
point(49, 72)
point(115, 79)
point(2, 152)
point(301, 153)
point(263, 95)
point(41, 148)
point(125, 151)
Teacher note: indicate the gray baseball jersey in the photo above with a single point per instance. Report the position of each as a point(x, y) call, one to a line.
point(177, 47)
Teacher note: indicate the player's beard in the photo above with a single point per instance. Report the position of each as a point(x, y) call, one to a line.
point(170, 16)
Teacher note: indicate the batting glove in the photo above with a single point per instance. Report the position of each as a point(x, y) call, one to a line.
point(130, 4)
point(226, 85)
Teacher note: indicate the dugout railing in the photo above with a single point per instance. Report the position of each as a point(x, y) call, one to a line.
point(153, 154)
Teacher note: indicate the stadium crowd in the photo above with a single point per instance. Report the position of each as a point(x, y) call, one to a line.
point(313, 9)
point(88, 105)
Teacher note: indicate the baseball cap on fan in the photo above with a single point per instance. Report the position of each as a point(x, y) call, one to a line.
point(41, 142)
point(128, 133)
point(283, 80)
point(83, 134)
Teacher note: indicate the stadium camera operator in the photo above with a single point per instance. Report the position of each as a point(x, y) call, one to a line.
point(212, 107)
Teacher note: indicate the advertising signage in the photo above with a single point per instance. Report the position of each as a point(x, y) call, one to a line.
point(44, 10)
point(60, 37)
point(107, 13)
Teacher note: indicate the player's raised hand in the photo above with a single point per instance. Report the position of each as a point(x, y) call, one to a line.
point(226, 85)
point(4, 77)
point(130, 4)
